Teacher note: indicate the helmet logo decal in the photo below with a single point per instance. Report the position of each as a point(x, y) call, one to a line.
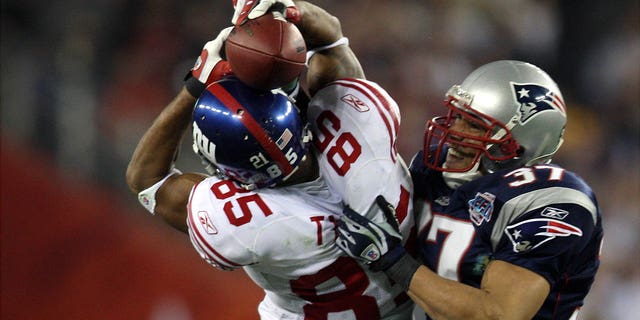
point(284, 138)
point(202, 144)
point(534, 98)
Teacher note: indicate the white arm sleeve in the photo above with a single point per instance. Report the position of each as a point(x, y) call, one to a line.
point(147, 197)
point(339, 42)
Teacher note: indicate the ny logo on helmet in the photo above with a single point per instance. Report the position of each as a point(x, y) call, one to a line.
point(202, 144)
point(534, 98)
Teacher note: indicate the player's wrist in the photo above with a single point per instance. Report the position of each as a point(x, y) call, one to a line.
point(196, 82)
point(388, 259)
point(402, 270)
point(193, 85)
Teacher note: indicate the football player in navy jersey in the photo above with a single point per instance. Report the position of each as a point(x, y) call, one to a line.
point(504, 234)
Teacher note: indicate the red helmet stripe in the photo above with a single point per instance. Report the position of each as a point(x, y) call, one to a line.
point(559, 103)
point(253, 126)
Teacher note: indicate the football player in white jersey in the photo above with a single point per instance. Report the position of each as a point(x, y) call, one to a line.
point(275, 194)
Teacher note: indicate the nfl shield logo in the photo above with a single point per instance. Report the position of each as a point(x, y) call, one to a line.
point(371, 253)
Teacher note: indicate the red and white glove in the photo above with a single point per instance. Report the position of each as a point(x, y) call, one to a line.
point(250, 9)
point(209, 66)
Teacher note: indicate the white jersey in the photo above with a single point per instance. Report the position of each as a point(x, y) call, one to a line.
point(355, 125)
point(284, 237)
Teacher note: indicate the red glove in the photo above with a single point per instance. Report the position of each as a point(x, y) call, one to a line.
point(209, 66)
point(250, 9)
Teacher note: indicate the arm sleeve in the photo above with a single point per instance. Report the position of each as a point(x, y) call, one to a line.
point(220, 243)
point(147, 197)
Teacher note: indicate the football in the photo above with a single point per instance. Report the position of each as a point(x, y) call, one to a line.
point(267, 52)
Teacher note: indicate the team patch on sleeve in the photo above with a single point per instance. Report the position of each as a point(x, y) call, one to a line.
point(481, 207)
point(532, 233)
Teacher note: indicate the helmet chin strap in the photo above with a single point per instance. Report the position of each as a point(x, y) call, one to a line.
point(456, 179)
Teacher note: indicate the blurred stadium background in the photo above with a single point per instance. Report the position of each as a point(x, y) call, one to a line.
point(82, 80)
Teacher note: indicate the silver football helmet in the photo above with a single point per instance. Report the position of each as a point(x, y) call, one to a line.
point(518, 106)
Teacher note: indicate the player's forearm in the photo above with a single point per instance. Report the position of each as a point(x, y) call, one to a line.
point(318, 27)
point(447, 299)
point(334, 60)
point(156, 151)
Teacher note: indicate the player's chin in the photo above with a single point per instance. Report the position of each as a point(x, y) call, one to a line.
point(458, 161)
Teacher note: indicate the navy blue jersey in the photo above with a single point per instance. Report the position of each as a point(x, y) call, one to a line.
point(542, 218)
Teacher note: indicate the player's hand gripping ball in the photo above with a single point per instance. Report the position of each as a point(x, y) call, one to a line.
point(267, 52)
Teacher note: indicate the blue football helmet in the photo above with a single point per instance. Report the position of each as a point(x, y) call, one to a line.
point(254, 137)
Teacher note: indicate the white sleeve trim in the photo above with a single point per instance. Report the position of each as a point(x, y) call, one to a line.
point(147, 197)
point(339, 42)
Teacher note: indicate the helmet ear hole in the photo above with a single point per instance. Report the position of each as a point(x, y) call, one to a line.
point(511, 147)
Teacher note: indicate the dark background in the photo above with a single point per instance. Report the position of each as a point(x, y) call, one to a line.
point(82, 80)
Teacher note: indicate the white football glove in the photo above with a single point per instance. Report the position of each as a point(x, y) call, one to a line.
point(377, 244)
point(250, 9)
point(209, 66)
